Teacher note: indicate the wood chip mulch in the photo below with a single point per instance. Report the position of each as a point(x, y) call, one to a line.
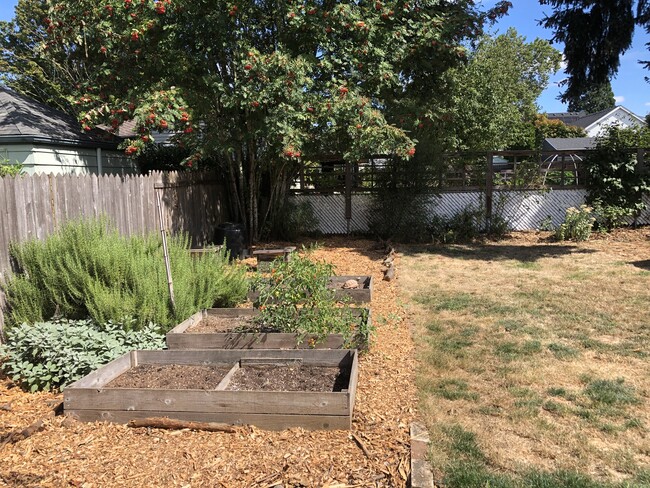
point(375, 453)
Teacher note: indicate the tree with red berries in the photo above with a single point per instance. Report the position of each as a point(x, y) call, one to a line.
point(262, 85)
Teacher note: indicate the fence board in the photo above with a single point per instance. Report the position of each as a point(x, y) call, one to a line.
point(33, 206)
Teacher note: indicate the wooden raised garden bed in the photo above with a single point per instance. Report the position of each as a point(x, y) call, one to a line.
point(270, 389)
point(362, 293)
point(265, 257)
point(217, 328)
point(359, 294)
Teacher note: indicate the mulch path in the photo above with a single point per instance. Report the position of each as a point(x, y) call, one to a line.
point(374, 454)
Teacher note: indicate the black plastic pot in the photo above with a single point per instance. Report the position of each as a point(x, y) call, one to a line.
point(235, 237)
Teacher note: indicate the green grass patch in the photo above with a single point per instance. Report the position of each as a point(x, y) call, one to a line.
point(610, 392)
point(562, 352)
point(465, 302)
point(463, 443)
point(452, 389)
point(510, 351)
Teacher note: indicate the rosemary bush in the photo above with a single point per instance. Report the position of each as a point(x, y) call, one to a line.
point(87, 269)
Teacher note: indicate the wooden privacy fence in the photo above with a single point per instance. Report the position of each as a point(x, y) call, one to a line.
point(32, 207)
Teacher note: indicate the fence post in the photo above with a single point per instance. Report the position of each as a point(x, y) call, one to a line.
point(640, 161)
point(489, 190)
point(348, 194)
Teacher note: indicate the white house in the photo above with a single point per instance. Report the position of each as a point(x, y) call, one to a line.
point(46, 140)
point(594, 123)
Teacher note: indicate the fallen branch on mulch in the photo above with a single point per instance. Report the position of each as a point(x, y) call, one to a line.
point(19, 435)
point(389, 273)
point(360, 443)
point(173, 424)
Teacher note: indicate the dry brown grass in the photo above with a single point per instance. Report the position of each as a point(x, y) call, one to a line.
point(515, 340)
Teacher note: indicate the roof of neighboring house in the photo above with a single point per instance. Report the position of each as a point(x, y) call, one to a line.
point(569, 118)
point(127, 131)
point(585, 120)
point(24, 120)
point(568, 143)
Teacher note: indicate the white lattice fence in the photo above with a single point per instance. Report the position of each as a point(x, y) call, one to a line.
point(523, 210)
point(526, 210)
point(330, 212)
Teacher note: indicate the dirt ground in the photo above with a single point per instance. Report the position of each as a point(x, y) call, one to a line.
point(289, 378)
point(374, 454)
point(222, 324)
point(171, 376)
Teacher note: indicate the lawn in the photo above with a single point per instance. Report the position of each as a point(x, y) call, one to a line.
point(534, 360)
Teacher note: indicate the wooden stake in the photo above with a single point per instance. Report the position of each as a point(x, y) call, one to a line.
point(163, 233)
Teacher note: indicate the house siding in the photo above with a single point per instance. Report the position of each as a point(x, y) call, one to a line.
point(619, 117)
point(50, 159)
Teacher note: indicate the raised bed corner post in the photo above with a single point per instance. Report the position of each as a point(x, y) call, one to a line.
point(163, 233)
point(489, 190)
point(348, 194)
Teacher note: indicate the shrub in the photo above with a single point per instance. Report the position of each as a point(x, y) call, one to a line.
point(614, 180)
point(50, 355)
point(577, 224)
point(464, 226)
point(87, 269)
point(292, 220)
point(9, 169)
point(298, 300)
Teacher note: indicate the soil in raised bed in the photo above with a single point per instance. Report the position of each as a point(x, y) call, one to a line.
point(289, 378)
point(213, 323)
point(171, 377)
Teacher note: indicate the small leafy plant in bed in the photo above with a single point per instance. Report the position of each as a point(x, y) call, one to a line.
point(51, 355)
point(299, 300)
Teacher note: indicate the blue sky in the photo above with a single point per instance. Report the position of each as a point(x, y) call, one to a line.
point(629, 85)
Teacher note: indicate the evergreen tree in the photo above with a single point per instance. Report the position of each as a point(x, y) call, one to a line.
point(595, 99)
point(595, 33)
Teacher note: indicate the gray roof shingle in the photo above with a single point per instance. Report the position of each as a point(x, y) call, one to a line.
point(24, 118)
point(568, 143)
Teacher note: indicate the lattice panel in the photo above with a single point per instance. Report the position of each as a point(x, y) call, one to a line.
point(524, 210)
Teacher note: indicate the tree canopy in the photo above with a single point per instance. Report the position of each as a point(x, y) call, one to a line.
point(32, 65)
point(490, 102)
point(496, 94)
point(595, 34)
point(593, 99)
point(551, 128)
point(260, 83)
